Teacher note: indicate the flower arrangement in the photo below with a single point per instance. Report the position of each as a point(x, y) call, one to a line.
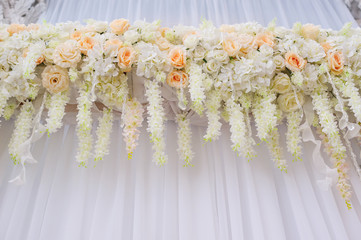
point(229, 74)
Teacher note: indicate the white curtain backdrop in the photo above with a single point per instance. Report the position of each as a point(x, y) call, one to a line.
point(222, 197)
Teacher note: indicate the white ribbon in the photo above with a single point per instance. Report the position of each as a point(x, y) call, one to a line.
point(24, 148)
point(318, 161)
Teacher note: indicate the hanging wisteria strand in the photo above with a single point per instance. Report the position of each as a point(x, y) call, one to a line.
point(234, 73)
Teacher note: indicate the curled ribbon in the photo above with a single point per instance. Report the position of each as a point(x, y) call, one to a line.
point(318, 161)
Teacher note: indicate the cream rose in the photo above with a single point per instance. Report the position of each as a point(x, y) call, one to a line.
point(279, 61)
point(55, 79)
point(177, 79)
point(227, 28)
point(126, 57)
point(112, 45)
point(119, 26)
point(310, 31)
point(163, 43)
point(4, 34)
point(231, 45)
point(48, 55)
point(212, 66)
point(281, 83)
point(199, 53)
point(67, 54)
point(335, 62)
point(265, 38)
point(288, 103)
point(177, 57)
point(85, 44)
point(294, 62)
point(191, 39)
point(246, 42)
point(16, 28)
point(32, 27)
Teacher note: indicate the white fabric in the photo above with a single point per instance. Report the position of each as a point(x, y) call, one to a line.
point(222, 197)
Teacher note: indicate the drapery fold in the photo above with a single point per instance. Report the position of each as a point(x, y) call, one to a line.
point(222, 197)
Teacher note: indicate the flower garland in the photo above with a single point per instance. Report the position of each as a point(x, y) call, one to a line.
point(236, 72)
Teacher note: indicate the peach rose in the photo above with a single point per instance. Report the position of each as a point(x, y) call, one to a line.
point(326, 46)
point(16, 28)
point(38, 61)
point(76, 35)
point(67, 54)
point(119, 26)
point(265, 38)
point(335, 62)
point(246, 42)
point(32, 27)
point(177, 57)
point(294, 62)
point(177, 79)
point(85, 44)
point(126, 57)
point(310, 31)
point(55, 79)
point(231, 45)
point(163, 43)
point(227, 28)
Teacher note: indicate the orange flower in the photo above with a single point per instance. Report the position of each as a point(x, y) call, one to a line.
point(335, 62)
point(38, 61)
point(265, 38)
point(85, 44)
point(119, 26)
point(294, 62)
point(126, 57)
point(177, 79)
point(227, 28)
point(231, 45)
point(16, 28)
point(177, 57)
point(76, 35)
point(246, 42)
point(326, 46)
point(163, 31)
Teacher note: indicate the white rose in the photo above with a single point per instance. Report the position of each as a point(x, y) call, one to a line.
point(281, 83)
point(131, 36)
point(99, 27)
point(191, 41)
point(211, 66)
point(199, 53)
point(266, 50)
point(220, 55)
point(288, 103)
point(48, 55)
point(279, 61)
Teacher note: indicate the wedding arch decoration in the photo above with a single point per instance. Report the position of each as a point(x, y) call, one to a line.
point(306, 76)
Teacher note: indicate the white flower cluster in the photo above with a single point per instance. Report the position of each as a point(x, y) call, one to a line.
point(23, 125)
point(84, 126)
point(213, 104)
point(132, 118)
point(196, 88)
point(184, 139)
point(337, 150)
point(103, 134)
point(56, 112)
point(156, 121)
point(293, 134)
point(264, 113)
point(276, 151)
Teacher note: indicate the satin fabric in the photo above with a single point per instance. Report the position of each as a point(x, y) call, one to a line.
point(222, 197)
